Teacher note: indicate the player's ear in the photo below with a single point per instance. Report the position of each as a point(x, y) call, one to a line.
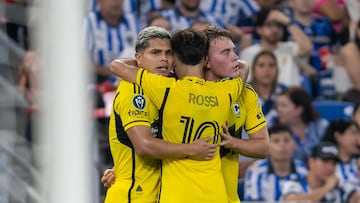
point(206, 62)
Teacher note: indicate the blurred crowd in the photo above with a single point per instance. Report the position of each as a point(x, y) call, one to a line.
point(299, 51)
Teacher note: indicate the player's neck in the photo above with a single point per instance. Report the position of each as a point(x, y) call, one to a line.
point(183, 70)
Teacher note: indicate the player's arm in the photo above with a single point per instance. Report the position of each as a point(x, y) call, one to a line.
point(146, 145)
point(126, 71)
point(256, 147)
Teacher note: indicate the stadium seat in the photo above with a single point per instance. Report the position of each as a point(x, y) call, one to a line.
point(331, 110)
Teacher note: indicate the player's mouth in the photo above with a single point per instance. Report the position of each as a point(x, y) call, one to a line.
point(163, 68)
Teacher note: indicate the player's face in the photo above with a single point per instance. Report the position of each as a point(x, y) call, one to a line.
point(282, 146)
point(286, 109)
point(349, 140)
point(222, 59)
point(157, 57)
point(265, 70)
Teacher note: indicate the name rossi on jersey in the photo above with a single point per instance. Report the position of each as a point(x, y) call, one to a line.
point(203, 100)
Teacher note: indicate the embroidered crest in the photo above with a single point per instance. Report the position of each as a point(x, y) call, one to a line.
point(139, 101)
point(236, 108)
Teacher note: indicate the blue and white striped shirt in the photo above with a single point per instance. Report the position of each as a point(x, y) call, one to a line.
point(105, 42)
point(262, 184)
point(179, 22)
point(348, 172)
point(139, 8)
point(230, 11)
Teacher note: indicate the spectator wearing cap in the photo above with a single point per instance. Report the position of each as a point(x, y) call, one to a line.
point(321, 183)
point(265, 178)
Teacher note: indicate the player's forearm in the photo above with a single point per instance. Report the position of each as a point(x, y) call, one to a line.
point(120, 68)
point(254, 148)
point(160, 149)
point(257, 146)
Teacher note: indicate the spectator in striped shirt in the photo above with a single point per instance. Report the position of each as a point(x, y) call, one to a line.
point(321, 184)
point(109, 31)
point(264, 178)
point(186, 12)
point(345, 135)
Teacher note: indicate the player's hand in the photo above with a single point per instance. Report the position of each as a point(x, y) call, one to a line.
point(108, 177)
point(243, 69)
point(227, 139)
point(202, 150)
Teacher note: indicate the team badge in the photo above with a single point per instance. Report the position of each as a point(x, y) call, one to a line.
point(139, 101)
point(236, 108)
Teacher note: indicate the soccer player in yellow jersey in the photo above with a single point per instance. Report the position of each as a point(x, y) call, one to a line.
point(132, 145)
point(246, 111)
point(191, 108)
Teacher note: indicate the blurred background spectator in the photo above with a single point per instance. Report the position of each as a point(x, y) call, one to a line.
point(321, 183)
point(270, 26)
point(294, 109)
point(264, 178)
point(264, 80)
point(345, 134)
point(350, 60)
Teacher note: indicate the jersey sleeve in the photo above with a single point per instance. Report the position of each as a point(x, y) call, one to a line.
point(132, 106)
point(154, 85)
point(255, 119)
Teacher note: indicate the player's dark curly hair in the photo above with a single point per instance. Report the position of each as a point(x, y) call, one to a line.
point(190, 46)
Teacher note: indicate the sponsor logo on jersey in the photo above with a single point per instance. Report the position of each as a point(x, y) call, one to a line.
point(137, 113)
point(139, 101)
point(203, 100)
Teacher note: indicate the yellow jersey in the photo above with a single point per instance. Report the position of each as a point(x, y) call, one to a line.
point(246, 114)
point(137, 177)
point(189, 109)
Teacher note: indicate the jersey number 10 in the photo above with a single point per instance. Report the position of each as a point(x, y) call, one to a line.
point(190, 134)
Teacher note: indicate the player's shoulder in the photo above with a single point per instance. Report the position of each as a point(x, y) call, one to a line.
point(248, 92)
point(248, 88)
point(128, 88)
